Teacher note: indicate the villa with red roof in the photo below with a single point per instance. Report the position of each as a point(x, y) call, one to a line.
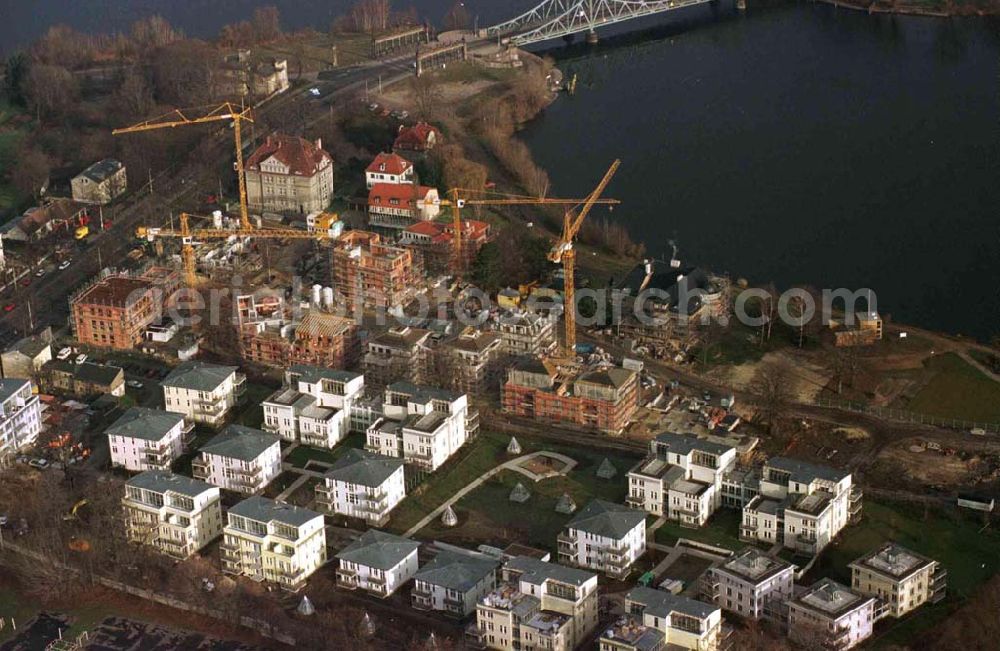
point(433, 242)
point(288, 174)
point(393, 205)
point(389, 168)
point(420, 137)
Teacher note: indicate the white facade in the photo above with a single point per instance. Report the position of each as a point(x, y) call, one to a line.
point(314, 406)
point(377, 562)
point(681, 478)
point(272, 541)
point(751, 584)
point(240, 459)
point(362, 485)
point(900, 579)
point(203, 393)
point(605, 537)
point(454, 581)
point(389, 168)
point(175, 514)
point(20, 415)
point(424, 426)
point(684, 623)
point(146, 439)
point(830, 616)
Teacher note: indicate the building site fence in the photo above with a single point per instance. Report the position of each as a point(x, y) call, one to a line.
point(904, 416)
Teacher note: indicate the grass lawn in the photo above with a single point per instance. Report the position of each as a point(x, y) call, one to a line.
point(953, 539)
point(303, 454)
point(733, 346)
point(722, 530)
point(85, 617)
point(250, 413)
point(958, 390)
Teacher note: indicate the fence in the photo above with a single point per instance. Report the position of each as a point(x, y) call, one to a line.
point(904, 416)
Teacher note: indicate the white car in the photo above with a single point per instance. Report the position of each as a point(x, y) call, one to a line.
point(40, 272)
point(64, 353)
point(40, 464)
point(81, 358)
point(64, 265)
point(314, 91)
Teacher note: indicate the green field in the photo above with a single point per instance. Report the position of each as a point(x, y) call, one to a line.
point(303, 454)
point(957, 390)
point(722, 530)
point(957, 540)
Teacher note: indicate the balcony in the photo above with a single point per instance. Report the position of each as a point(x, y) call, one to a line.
point(315, 439)
point(324, 498)
point(748, 532)
point(177, 548)
point(239, 384)
point(210, 407)
point(376, 580)
point(939, 585)
point(710, 586)
point(854, 507)
point(421, 599)
point(635, 502)
point(347, 579)
point(566, 543)
point(838, 639)
point(200, 469)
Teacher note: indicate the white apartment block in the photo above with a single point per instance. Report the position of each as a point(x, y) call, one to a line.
point(314, 406)
point(203, 392)
point(802, 505)
point(20, 415)
point(683, 623)
point(830, 616)
point(377, 562)
point(454, 581)
point(528, 334)
point(538, 605)
point(681, 478)
point(240, 459)
point(146, 439)
point(751, 584)
point(175, 514)
point(273, 541)
point(423, 426)
point(900, 579)
point(364, 485)
point(605, 537)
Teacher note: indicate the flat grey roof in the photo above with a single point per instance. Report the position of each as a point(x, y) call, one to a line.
point(198, 376)
point(239, 442)
point(683, 444)
point(893, 561)
point(607, 519)
point(144, 423)
point(804, 472)
point(161, 481)
point(363, 468)
point(660, 603)
point(755, 566)
point(261, 509)
point(313, 374)
point(830, 599)
point(10, 386)
point(536, 571)
point(422, 393)
point(378, 549)
point(457, 570)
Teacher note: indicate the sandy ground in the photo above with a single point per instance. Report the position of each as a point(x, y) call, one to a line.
point(810, 378)
point(934, 467)
point(450, 93)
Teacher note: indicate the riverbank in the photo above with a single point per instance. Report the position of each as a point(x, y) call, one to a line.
point(932, 9)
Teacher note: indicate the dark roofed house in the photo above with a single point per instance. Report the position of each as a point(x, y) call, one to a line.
point(288, 174)
point(100, 183)
point(85, 380)
point(604, 536)
point(454, 581)
point(362, 484)
point(378, 562)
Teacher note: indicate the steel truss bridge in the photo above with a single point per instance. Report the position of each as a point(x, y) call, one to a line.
point(555, 18)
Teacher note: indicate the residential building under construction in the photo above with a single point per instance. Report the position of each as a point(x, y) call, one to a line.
point(369, 273)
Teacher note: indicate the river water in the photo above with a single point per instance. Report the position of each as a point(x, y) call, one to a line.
point(799, 144)
point(803, 145)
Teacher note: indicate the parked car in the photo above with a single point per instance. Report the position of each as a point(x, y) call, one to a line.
point(64, 265)
point(81, 358)
point(25, 281)
point(314, 91)
point(40, 272)
point(373, 107)
point(9, 307)
point(40, 464)
point(64, 353)
point(134, 384)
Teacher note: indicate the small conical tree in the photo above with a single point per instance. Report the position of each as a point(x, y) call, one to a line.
point(565, 504)
point(449, 518)
point(306, 607)
point(514, 447)
point(607, 469)
point(520, 494)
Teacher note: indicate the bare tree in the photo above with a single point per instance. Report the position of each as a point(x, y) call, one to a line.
point(370, 15)
point(426, 96)
point(846, 360)
point(772, 388)
point(458, 17)
point(50, 90)
point(185, 73)
point(31, 172)
point(133, 98)
point(153, 32)
point(266, 24)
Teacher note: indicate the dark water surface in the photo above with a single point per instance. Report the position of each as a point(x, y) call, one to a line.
point(800, 144)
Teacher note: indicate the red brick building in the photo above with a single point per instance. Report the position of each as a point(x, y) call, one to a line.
point(433, 242)
point(115, 311)
point(370, 273)
point(420, 137)
point(604, 399)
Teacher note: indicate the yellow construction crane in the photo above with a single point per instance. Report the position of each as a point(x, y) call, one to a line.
point(323, 230)
point(201, 115)
point(563, 252)
point(460, 198)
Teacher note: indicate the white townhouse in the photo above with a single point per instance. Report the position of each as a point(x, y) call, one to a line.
point(899, 578)
point(389, 168)
point(831, 616)
point(314, 406)
point(605, 537)
point(241, 459)
point(146, 439)
point(751, 584)
point(681, 478)
point(683, 623)
point(802, 505)
point(377, 562)
point(175, 514)
point(424, 426)
point(20, 415)
point(203, 392)
point(454, 581)
point(273, 541)
point(538, 605)
point(364, 485)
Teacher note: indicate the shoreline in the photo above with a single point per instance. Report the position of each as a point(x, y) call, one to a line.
point(906, 9)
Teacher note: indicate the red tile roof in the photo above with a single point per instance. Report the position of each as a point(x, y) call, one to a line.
point(393, 164)
point(415, 137)
point(301, 156)
point(396, 195)
point(443, 232)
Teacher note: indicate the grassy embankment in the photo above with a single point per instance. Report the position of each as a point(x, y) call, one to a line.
point(957, 390)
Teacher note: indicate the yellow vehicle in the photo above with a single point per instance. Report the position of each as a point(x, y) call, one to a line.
point(81, 232)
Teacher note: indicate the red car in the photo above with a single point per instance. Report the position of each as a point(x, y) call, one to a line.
point(25, 282)
point(9, 307)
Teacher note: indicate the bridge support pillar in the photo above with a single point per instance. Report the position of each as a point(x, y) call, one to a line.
point(592, 37)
